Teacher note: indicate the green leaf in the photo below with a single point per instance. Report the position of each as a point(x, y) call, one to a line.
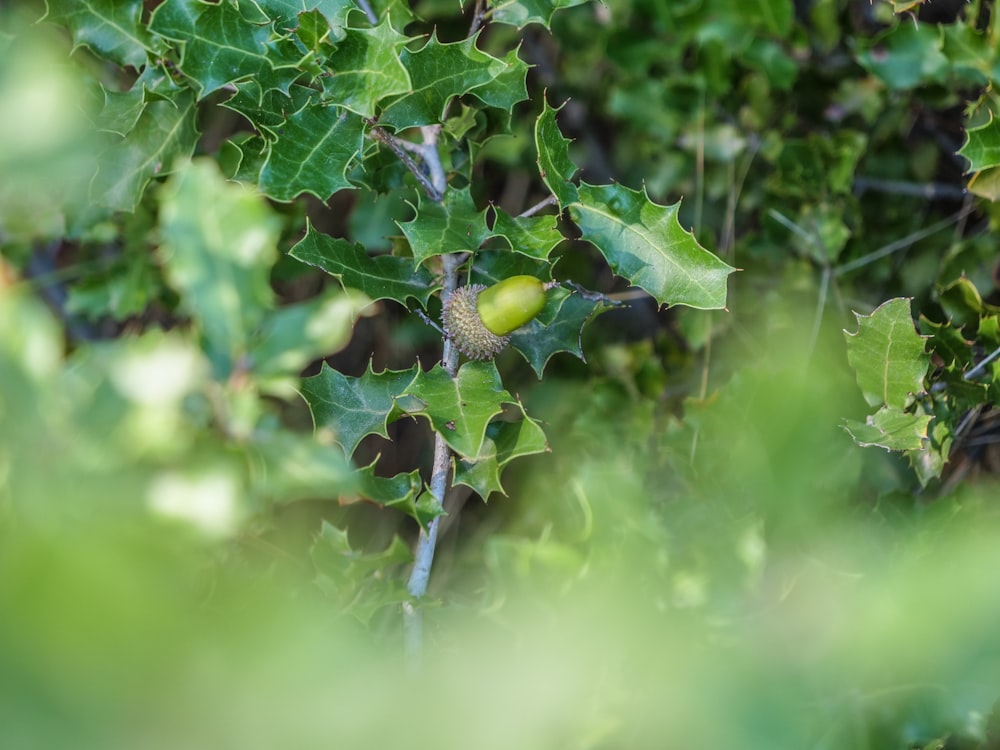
point(887, 355)
point(982, 146)
point(907, 56)
point(460, 408)
point(219, 243)
point(520, 13)
point(264, 109)
point(947, 342)
point(554, 164)
point(379, 276)
point(220, 46)
point(111, 28)
point(891, 428)
point(534, 236)
point(452, 226)
point(164, 133)
point(644, 243)
point(508, 88)
point(293, 336)
point(287, 467)
point(354, 407)
point(505, 441)
point(284, 13)
point(403, 492)
point(365, 69)
point(314, 149)
point(438, 73)
point(550, 333)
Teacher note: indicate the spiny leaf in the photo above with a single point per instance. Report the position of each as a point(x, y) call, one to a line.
point(644, 243)
point(892, 429)
point(314, 149)
point(354, 407)
point(505, 441)
point(111, 28)
point(451, 226)
point(460, 408)
point(982, 146)
point(549, 333)
point(220, 46)
point(534, 236)
point(219, 243)
point(888, 356)
point(365, 68)
point(554, 164)
point(439, 72)
point(379, 276)
point(284, 13)
point(164, 132)
point(520, 13)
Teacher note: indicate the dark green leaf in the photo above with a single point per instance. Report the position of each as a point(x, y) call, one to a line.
point(551, 333)
point(554, 164)
point(451, 226)
point(111, 28)
point(379, 276)
point(535, 236)
point(365, 69)
point(352, 407)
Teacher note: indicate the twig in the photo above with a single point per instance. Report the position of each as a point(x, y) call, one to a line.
point(369, 13)
point(550, 201)
point(424, 554)
point(903, 243)
point(431, 185)
point(478, 17)
point(929, 190)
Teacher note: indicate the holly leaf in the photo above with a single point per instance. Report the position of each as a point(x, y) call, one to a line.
point(438, 73)
point(887, 355)
point(284, 13)
point(508, 88)
point(520, 13)
point(379, 276)
point(982, 146)
point(906, 56)
point(452, 226)
point(459, 408)
point(313, 152)
point(644, 243)
point(163, 133)
point(891, 428)
point(551, 333)
point(353, 407)
point(554, 165)
point(534, 236)
point(505, 441)
point(405, 492)
point(219, 243)
point(219, 46)
point(365, 68)
point(111, 28)
point(266, 110)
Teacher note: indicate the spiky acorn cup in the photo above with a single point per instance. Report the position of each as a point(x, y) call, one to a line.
point(477, 319)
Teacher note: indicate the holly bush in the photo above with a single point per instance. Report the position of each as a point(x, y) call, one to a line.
point(251, 492)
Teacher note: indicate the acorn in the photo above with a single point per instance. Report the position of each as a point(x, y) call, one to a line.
point(478, 319)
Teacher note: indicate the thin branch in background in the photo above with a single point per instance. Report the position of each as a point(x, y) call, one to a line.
point(904, 242)
point(979, 369)
point(395, 145)
point(932, 191)
point(478, 17)
point(550, 201)
point(369, 13)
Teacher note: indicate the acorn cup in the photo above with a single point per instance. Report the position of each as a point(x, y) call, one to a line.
point(478, 319)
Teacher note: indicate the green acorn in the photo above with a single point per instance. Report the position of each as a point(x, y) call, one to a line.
point(478, 319)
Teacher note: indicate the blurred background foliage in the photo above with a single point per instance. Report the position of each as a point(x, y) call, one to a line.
point(703, 559)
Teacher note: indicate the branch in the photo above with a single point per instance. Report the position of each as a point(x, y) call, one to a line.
point(424, 555)
point(429, 173)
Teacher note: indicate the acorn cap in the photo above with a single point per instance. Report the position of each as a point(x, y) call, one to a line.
point(465, 328)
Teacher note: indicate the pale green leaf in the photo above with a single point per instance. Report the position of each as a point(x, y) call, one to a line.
point(554, 164)
point(219, 243)
point(888, 355)
point(982, 146)
point(520, 13)
point(891, 428)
